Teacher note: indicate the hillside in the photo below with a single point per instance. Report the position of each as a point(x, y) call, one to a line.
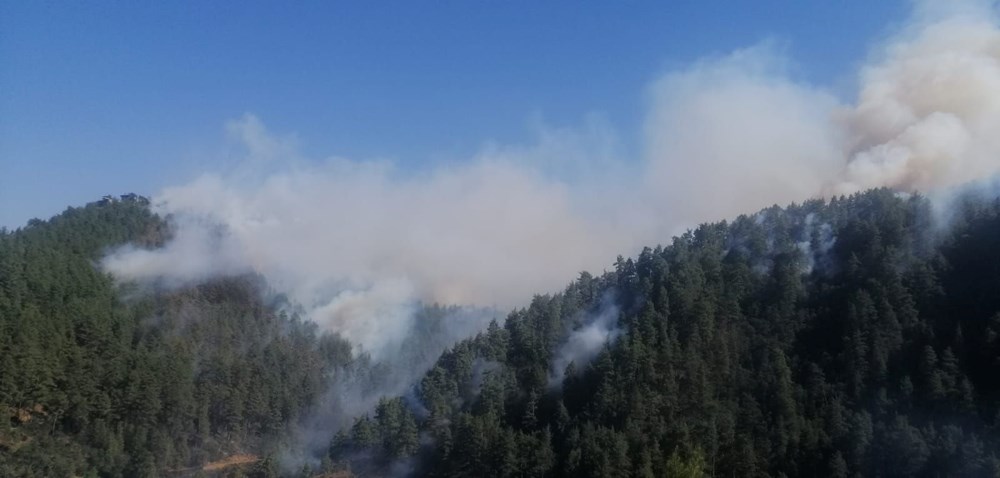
point(853, 337)
point(849, 338)
point(156, 379)
point(101, 381)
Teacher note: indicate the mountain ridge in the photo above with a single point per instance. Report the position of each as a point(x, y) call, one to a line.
point(854, 336)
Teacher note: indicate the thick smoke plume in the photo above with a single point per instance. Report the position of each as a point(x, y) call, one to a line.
point(359, 243)
point(927, 112)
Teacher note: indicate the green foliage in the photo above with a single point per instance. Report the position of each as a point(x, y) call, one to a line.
point(102, 380)
point(841, 338)
point(848, 338)
point(692, 467)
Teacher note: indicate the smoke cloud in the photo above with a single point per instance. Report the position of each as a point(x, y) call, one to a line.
point(358, 243)
point(733, 134)
point(583, 344)
point(927, 110)
point(815, 243)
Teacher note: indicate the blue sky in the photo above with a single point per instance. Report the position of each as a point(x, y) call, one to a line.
point(113, 97)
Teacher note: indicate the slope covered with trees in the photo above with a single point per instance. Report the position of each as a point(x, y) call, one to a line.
point(856, 337)
point(849, 338)
point(101, 381)
point(106, 379)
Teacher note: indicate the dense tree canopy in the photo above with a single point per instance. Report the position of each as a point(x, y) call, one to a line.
point(102, 381)
point(855, 337)
point(846, 338)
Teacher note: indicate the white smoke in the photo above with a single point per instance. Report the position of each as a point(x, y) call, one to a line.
point(928, 110)
point(356, 243)
point(583, 344)
point(199, 249)
point(735, 134)
point(815, 243)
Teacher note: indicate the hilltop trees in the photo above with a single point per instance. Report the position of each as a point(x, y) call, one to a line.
point(854, 337)
point(99, 381)
point(824, 339)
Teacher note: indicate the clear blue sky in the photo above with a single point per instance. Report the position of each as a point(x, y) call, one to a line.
point(112, 97)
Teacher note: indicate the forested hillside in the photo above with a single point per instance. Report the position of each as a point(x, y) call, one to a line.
point(856, 337)
point(96, 381)
point(221, 378)
point(849, 338)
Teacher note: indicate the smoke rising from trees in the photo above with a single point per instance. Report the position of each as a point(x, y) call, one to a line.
point(357, 243)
